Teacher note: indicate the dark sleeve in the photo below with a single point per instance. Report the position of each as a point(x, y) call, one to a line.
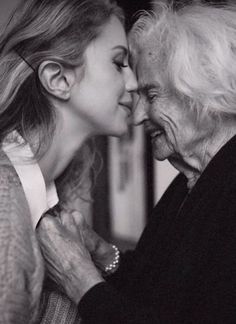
point(217, 285)
point(102, 304)
point(106, 304)
point(205, 287)
point(218, 280)
point(127, 264)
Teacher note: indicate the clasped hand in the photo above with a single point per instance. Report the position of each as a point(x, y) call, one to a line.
point(68, 260)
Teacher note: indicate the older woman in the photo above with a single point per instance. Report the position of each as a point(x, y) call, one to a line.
point(183, 269)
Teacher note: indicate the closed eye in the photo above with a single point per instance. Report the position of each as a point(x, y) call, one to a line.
point(152, 97)
point(150, 91)
point(120, 65)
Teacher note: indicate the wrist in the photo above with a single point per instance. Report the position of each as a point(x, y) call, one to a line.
point(81, 280)
point(113, 264)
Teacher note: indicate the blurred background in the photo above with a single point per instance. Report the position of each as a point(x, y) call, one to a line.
point(130, 182)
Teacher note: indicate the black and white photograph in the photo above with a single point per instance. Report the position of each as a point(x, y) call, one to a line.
point(117, 161)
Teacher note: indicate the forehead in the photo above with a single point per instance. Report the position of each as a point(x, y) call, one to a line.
point(112, 34)
point(149, 72)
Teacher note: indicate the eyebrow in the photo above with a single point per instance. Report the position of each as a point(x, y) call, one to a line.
point(121, 47)
point(146, 87)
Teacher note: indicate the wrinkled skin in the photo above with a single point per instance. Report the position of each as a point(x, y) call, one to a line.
point(68, 261)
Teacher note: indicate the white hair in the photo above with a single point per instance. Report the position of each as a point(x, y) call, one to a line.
point(196, 48)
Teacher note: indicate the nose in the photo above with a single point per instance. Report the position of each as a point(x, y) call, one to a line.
point(140, 113)
point(131, 83)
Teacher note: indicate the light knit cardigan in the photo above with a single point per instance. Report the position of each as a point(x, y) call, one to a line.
point(21, 263)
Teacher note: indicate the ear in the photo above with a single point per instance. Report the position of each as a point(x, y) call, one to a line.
point(56, 79)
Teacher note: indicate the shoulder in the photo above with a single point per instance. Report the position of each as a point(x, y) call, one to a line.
point(11, 190)
point(14, 210)
point(8, 175)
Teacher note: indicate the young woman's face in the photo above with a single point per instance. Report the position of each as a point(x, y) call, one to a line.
point(102, 98)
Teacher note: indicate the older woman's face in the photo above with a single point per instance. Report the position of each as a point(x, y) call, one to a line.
point(172, 125)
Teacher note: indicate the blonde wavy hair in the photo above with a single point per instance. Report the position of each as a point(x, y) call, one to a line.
point(39, 30)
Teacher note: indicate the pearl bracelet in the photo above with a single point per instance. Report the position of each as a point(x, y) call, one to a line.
point(109, 269)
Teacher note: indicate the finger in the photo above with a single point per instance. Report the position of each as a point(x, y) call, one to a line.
point(47, 221)
point(66, 218)
point(80, 224)
point(78, 218)
point(68, 222)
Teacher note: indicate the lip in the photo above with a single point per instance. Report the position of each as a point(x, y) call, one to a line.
point(127, 105)
point(156, 133)
point(153, 130)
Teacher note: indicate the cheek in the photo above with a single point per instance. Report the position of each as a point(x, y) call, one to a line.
point(158, 111)
point(153, 111)
point(109, 90)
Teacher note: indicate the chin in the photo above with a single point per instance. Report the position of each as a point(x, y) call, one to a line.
point(160, 150)
point(118, 132)
point(159, 155)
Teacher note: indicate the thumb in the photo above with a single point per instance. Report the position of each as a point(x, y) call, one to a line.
point(47, 222)
point(78, 218)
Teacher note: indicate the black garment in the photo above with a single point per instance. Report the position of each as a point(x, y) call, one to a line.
point(183, 269)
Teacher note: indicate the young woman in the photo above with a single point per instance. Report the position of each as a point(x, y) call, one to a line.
point(64, 78)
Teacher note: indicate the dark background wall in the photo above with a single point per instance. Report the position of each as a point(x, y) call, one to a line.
point(131, 7)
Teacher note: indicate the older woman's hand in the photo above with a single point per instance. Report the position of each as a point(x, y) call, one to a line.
point(68, 262)
point(101, 251)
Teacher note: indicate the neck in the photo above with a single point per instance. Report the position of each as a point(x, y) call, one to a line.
point(69, 136)
point(193, 163)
